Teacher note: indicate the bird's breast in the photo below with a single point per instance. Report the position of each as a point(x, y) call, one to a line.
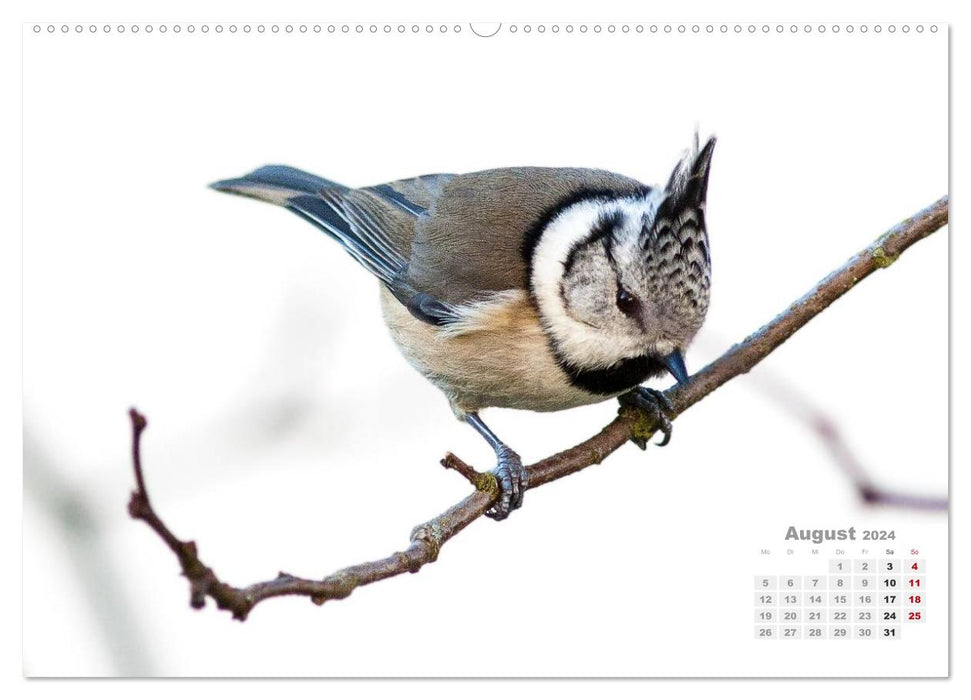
point(498, 355)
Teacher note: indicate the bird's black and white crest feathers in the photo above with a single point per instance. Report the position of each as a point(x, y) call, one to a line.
point(678, 257)
point(688, 183)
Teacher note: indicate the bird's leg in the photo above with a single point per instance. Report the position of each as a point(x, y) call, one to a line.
point(656, 405)
point(510, 473)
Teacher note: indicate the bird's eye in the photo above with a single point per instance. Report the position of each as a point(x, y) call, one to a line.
point(627, 302)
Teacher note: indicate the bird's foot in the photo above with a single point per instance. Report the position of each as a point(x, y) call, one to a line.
point(656, 405)
point(513, 482)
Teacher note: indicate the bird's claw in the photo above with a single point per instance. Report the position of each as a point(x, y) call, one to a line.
point(513, 481)
point(656, 405)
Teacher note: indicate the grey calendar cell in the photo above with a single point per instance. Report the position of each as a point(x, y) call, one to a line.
point(790, 617)
point(864, 616)
point(914, 583)
point(910, 564)
point(790, 583)
point(889, 598)
point(840, 616)
point(864, 566)
point(790, 632)
point(765, 632)
point(765, 616)
point(814, 583)
point(888, 583)
point(864, 599)
point(814, 632)
point(840, 583)
point(838, 632)
point(886, 567)
point(889, 617)
point(912, 616)
point(814, 616)
point(837, 599)
point(864, 632)
point(888, 632)
point(815, 599)
point(865, 583)
point(767, 583)
point(913, 599)
point(840, 566)
point(766, 598)
point(790, 598)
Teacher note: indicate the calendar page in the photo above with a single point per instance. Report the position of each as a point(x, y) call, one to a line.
point(522, 250)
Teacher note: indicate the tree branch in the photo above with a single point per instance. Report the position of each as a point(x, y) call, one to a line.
point(428, 538)
point(827, 430)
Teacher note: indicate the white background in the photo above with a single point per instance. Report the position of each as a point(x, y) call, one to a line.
point(142, 286)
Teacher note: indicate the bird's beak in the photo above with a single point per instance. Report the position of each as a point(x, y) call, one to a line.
point(675, 364)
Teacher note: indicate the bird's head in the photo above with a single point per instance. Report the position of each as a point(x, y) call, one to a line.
point(618, 277)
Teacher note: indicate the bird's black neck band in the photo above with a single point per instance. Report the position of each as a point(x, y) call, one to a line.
point(624, 375)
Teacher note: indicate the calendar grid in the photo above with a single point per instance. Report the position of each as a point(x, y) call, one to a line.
point(856, 598)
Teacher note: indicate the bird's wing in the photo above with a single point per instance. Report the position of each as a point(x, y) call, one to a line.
point(415, 195)
point(374, 225)
point(475, 236)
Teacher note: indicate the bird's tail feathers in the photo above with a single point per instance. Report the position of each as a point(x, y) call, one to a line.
point(329, 206)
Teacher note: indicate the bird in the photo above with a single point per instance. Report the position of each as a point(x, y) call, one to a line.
point(532, 288)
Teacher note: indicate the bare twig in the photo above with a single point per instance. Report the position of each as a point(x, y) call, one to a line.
point(830, 435)
point(427, 539)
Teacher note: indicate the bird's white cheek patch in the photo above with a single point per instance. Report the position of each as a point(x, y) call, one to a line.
point(580, 343)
